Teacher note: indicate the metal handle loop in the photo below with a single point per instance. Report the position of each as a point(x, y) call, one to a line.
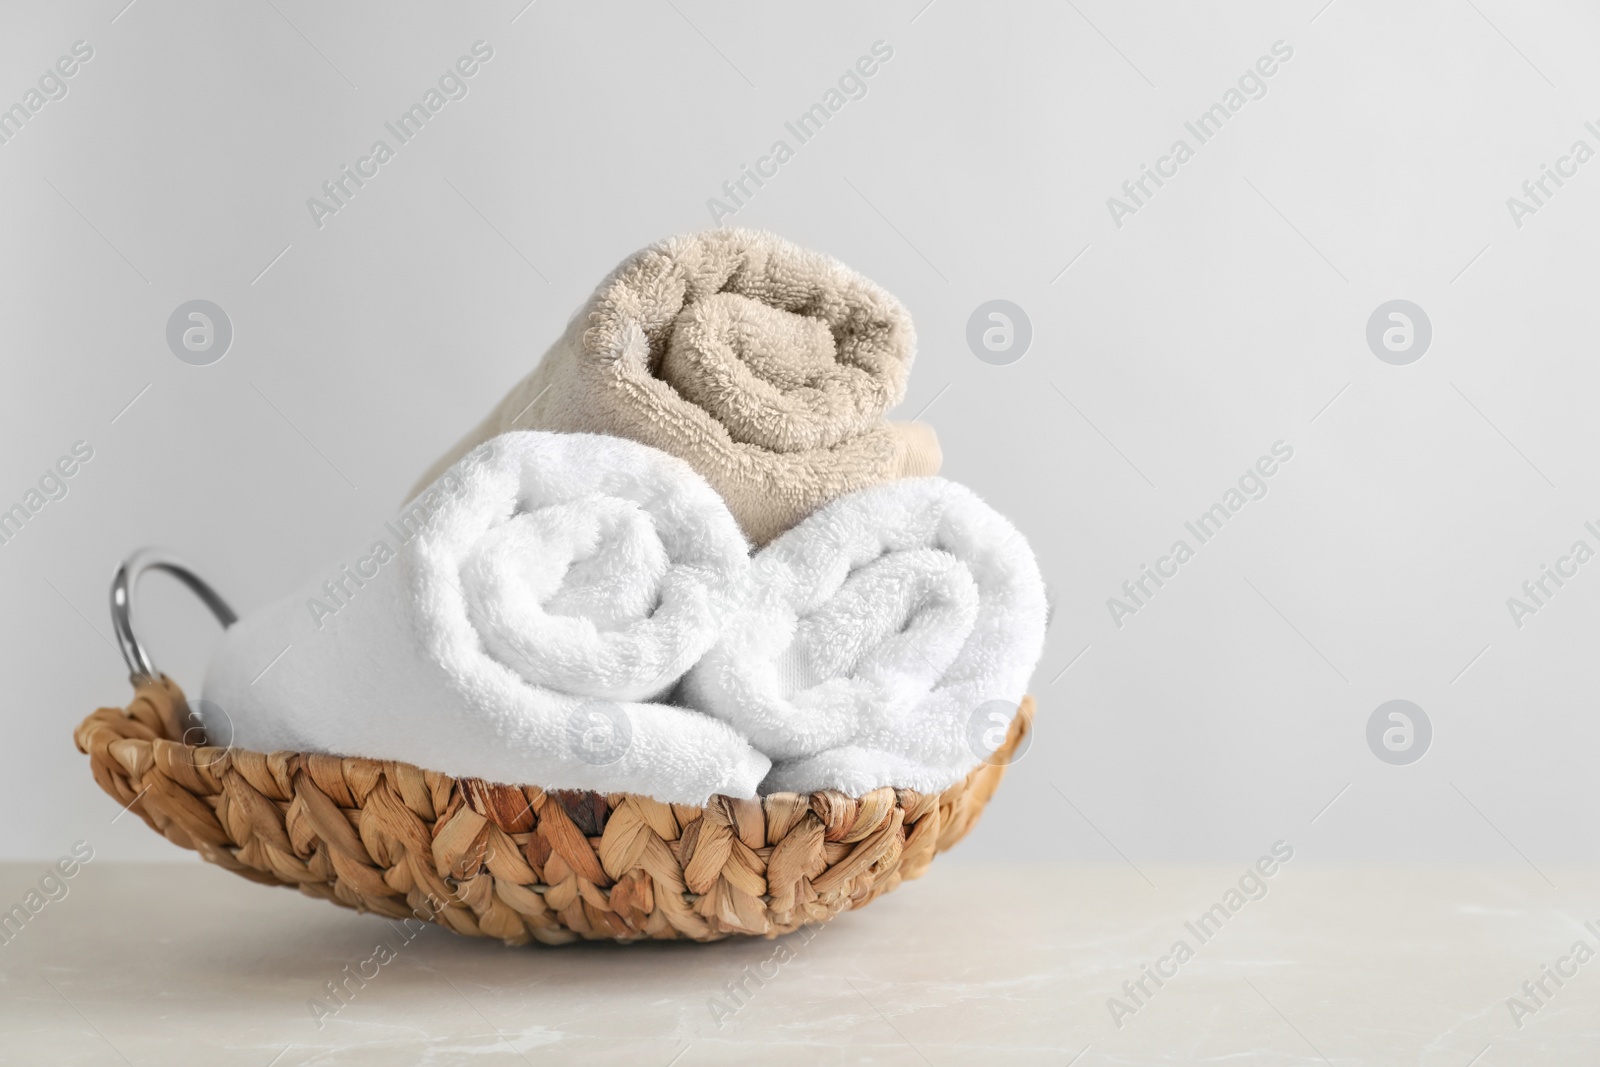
point(140, 667)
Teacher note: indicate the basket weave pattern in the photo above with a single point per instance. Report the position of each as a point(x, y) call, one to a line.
point(519, 863)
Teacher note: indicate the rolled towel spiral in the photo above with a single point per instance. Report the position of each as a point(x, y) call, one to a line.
point(882, 635)
point(767, 367)
point(518, 622)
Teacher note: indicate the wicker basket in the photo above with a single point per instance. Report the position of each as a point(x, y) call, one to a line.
point(514, 862)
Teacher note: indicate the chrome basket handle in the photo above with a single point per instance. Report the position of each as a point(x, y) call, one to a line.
point(140, 667)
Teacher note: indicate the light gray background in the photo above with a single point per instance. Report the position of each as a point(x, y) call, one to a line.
point(1225, 316)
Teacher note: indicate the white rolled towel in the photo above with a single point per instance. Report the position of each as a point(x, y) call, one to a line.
point(884, 634)
point(518, 623)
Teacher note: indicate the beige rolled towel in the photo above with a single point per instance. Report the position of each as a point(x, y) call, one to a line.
point(765, 366)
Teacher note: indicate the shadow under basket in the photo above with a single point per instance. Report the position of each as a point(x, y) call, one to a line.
point(522, 863)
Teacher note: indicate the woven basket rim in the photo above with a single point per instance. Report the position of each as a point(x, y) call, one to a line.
point(1020, 725)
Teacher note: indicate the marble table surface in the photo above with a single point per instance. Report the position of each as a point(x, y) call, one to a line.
point(185, 964)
